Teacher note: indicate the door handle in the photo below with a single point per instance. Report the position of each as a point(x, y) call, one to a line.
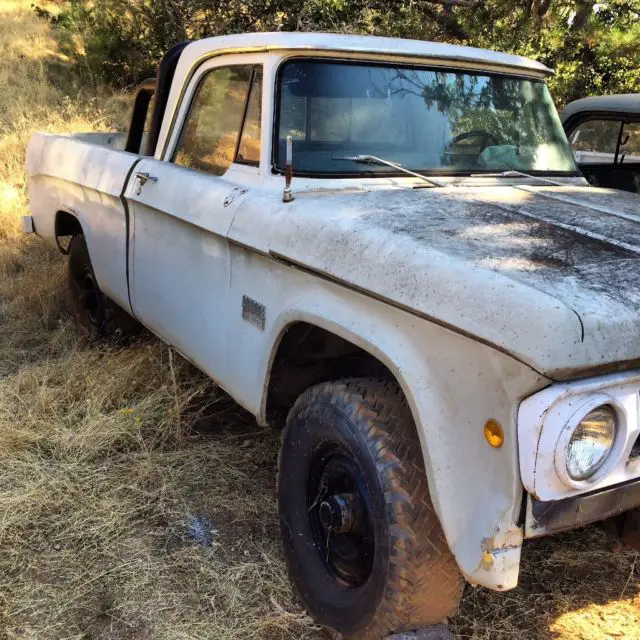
point(143, 177)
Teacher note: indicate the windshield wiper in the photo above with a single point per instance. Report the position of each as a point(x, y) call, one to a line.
point(512, 173)
point(366, 159)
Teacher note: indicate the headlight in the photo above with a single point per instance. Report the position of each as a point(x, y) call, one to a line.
point(591, 443)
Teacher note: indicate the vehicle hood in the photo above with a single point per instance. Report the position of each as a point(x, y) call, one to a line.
point(549, 274)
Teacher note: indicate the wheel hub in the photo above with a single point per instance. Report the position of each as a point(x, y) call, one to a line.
point(340, 515)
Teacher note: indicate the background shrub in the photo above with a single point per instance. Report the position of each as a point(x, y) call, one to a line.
point(594, 46)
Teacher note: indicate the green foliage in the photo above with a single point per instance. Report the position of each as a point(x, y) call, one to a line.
point(593, 45)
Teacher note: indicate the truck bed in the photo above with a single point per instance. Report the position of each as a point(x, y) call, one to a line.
point(84, 175)
point(114, 140)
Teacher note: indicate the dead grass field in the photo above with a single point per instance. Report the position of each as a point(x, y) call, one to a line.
point(136, 500)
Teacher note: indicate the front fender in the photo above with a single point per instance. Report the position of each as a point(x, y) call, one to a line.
point(453, 385)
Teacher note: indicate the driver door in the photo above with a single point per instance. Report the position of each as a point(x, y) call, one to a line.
point(182, 209)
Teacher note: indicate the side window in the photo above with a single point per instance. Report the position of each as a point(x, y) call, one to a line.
point(249, 148)
point(210, 135)
point(594, 141)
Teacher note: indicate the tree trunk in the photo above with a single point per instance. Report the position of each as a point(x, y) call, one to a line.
point(584, 9)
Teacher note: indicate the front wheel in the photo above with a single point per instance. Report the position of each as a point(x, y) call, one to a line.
point(364, 547)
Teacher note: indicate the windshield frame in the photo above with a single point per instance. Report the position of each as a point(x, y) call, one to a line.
point(277, 169)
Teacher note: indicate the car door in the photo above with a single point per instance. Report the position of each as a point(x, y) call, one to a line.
point(607, 151)
point(182, 208)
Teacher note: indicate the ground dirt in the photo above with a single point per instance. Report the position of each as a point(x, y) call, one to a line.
point(136, 500)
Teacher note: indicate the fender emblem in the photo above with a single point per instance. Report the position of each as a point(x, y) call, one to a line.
point(254, 312)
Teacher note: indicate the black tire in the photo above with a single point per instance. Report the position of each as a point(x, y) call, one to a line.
point(396, 573)
point(95, 315)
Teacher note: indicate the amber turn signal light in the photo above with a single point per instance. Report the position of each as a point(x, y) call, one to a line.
point(493, 433)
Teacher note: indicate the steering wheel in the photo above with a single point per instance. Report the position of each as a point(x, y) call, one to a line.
point(487, 138)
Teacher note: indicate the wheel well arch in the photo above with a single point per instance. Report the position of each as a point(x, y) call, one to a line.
point(66, 224)
point(306, 354)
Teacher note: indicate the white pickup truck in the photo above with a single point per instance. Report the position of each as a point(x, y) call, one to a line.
point(389, 241)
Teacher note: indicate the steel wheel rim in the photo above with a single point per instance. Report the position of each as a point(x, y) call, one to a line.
point(339, 508)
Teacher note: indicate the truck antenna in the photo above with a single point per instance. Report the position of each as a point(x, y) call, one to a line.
point(287, 196)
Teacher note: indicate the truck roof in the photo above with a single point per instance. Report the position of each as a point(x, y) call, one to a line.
point(359, 44)
point(625, 103)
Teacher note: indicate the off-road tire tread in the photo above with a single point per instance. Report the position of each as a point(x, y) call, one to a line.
point(117, 324)
point(425, 583)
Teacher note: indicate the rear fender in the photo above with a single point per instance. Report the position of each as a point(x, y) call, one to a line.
point(86, 180)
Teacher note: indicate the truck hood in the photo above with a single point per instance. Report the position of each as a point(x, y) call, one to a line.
point(547, 274)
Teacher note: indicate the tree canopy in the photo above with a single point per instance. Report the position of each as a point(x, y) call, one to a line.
point(594, 46)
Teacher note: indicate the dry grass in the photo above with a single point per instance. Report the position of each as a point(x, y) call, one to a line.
point(116, 519)
point(131, 507)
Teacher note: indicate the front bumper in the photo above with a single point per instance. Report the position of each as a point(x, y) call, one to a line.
point(546, 517)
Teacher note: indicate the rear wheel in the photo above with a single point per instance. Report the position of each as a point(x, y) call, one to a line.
point(363, 544)
point(95, 315)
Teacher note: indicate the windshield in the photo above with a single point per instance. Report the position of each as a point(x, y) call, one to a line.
point(452, 122)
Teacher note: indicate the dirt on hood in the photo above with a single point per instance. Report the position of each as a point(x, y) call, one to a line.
point(549, 274)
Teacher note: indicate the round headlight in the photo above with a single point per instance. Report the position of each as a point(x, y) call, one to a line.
point(591, 443)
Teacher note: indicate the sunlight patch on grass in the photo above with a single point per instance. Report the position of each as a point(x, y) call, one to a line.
point(615, 619)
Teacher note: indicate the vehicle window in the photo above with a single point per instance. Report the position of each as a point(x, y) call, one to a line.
point(210, 135)
point(630, 143)
point(148, 116)
point(249, 149)
point(594, 141)
point(340, 120)
point(424, 119)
